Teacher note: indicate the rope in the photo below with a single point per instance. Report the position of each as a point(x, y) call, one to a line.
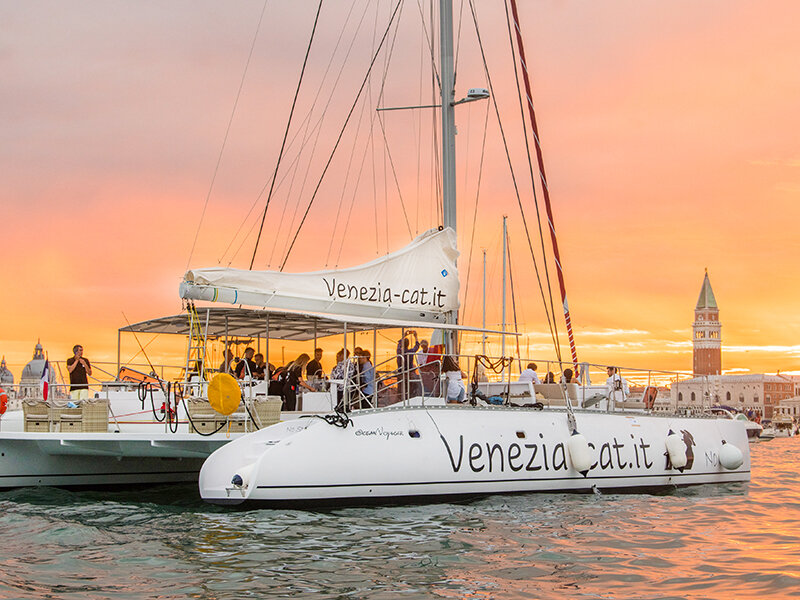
point(463, 310)
point(530, 171)
point(550, 320)
point(513, 300)
point(286, 132)
point(341, 133)
point(225, 138)
point(545, 189)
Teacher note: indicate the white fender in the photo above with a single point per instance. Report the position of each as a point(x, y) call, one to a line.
point(730, 456)
point(676, 450)
point(579, 453)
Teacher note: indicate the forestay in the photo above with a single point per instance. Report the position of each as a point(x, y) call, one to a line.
point(418, 282)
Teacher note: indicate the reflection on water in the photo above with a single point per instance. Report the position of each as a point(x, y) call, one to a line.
point(735, 541)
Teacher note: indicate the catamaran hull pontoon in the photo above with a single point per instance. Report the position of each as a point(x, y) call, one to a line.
point(445, 452)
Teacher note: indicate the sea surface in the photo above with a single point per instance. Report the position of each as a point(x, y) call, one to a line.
point(734, 541)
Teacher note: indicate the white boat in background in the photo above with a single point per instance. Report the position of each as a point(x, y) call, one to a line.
point(752, 429)
point(422, 448)
point(776, 428)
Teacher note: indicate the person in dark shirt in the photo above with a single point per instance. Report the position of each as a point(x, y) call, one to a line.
point(247, 365)
point(261, 366)
point(314, 368)
point(80, 369)
point(225, 366)
point(294, 379)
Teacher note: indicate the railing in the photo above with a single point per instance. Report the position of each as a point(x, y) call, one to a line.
point(638, 388)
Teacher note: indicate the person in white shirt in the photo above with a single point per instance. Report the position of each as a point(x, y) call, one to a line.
point(422, 354)
point(616, 385)
point(529, 374)
point(456, 391)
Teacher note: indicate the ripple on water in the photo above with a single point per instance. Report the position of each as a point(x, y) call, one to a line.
point(703, 542)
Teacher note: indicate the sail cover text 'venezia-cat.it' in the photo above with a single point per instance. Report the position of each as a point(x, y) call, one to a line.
point(418, 282)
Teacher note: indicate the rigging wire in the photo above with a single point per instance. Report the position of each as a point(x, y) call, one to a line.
point(375, 115)
point(545, 191)
point(227, 132)
point(513, 299)
point(429, 39)
point(533, 180)
point(328, 104)
point(295, 162)
point(341, 133)
point(458, 41)
point(286, 132)
point(344, 185)
point(550, 318)
point(475, 215)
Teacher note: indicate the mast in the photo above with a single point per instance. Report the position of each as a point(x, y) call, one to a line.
point(448, 136)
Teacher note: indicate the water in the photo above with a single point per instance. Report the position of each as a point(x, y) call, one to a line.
point(735, 541)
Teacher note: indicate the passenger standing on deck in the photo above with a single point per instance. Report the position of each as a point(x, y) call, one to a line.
point(314, 368)
point(406, 364)
point(261, 366)
point(529, 374)
point(422, 355)
point(225, 366)
point(366, 375)
point(344, 373)
point(456, 391)
point(616, 385)
point(405, 352)
point(247, 365)
point(80, 369)
point(294, 379)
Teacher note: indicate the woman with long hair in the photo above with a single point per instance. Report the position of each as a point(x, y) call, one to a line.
point(294, 379)
point(456, 391)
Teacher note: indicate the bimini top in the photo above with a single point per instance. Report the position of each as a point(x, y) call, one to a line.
point(277, 324)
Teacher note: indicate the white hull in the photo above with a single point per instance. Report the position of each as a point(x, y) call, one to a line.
point(412, 453)
point(136, 450)
point(100, 459)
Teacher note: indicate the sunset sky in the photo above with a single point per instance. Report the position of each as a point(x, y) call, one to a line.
point(670, 133)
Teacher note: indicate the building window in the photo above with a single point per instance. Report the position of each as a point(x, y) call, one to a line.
point(755, 398)
point(741, 397)
point(692, 397)
point(727, 396)
point(680, 396)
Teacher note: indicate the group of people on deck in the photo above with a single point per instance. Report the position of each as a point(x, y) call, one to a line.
point(305, 372)
point(357, 374)
point(616, 384)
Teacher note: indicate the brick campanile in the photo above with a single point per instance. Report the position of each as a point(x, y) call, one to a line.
point(706, 334)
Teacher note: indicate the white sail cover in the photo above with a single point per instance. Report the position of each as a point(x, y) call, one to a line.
point(418, 283)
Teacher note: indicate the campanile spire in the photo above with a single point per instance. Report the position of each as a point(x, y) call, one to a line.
point(706, 333)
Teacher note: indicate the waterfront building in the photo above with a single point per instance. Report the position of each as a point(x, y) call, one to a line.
point(30, 382)
point(758, 393)
point(6, 376)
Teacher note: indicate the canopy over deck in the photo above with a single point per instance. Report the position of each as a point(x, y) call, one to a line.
point(284, 325)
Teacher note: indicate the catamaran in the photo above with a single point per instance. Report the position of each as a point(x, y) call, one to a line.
point(569, 437)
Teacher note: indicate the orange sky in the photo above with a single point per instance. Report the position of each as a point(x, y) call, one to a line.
point(669, 132)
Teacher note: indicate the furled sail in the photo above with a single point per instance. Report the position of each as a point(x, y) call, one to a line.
point(418, 282)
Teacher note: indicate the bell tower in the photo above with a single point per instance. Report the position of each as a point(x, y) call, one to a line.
point(706, 333)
